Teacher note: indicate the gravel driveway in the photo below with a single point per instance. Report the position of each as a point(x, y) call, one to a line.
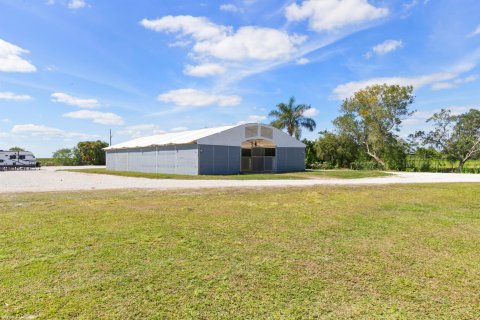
point(49, 179)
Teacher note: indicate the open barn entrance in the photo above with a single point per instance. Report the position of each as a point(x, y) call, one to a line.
point(258, 155)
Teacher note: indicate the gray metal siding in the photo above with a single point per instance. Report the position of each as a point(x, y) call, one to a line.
point(290, 159)
point(193, 159)
point(181, 159)
point(219, 159)
point(187, 160)
point(110, 160)
point(117, 160)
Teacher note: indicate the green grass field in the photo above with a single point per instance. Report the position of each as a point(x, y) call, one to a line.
point(391, 252)
point(310, 174)
point(440, 165)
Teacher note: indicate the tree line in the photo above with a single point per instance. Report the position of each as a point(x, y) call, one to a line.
point(84, 153)
point(366, 133)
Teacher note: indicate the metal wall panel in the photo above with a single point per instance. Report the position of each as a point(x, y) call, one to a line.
point(193, 159)
point(187, 160)
point(121, 160)
point(290, 159)
point(182, 159)
point(219, 159)
point(110, 160)
point(149, 156)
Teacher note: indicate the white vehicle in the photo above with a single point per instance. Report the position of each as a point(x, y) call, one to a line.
point(17, 160)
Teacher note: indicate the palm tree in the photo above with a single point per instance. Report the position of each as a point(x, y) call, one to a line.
point(290, 116)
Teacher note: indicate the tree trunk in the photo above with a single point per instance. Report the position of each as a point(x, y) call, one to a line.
point(461, 163)
point(380, 161)
point(374, 156)
point(290, 130)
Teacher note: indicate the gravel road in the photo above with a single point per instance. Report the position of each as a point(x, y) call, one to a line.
point(49, 179)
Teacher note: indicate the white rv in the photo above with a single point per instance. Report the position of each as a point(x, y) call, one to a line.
point(17, 159)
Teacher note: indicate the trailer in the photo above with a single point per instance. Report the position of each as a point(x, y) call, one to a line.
point(17, 160)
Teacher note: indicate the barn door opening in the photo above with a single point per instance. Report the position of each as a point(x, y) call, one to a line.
point(258, 156)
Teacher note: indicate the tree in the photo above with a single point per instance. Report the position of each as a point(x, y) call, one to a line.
point(373, 115)
point(457, 136)
point(16, 149)
point(91, 152)
point(291, 117)
point(336, 149)
point(65, 157)
point(310, 154)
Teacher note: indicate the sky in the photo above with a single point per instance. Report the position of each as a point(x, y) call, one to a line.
point(71, 70)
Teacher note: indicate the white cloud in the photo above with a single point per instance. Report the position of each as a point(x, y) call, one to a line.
point(442, 86)
point(329, 15)
point(251, 43)
point(222, 42)
point(303, 61)
point(180, 44)
point(196, 98)
point(11, 60)
point(141, 130)
point(434, 80)
point(253, 119)
point(76, 4)
point(420, 117)
point(73, 101)
point(200, 28)
point(230, 7)
point(44, 131)
point(51, 68)
point(179, 129)
point(453, 84)
point(312, 112)
point(346, 90)
point(387, 46)
point(106, 118)
point(14, 97)
point(36, 130)
point(204, 70)
point(475, 32)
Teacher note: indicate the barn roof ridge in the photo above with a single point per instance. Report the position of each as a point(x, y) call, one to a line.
point(175, 138)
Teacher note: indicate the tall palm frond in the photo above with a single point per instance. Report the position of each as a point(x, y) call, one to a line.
point(291, 117)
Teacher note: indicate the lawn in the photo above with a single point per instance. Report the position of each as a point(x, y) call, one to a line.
point(309, 174)
point(327, 252)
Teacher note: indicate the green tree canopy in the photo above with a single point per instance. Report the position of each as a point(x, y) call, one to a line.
point(457, 136)
point(65, 156)
point(16, 149)
point(291, 117)
point(310, 154)
point(337, 149)
point(372, 117)
point(91, 152)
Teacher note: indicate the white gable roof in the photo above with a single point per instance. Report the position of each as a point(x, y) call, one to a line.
point(227, 135)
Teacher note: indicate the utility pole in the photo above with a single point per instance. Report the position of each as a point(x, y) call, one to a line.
point(110, 137)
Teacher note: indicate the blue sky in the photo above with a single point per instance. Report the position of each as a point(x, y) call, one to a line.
point(71, 70)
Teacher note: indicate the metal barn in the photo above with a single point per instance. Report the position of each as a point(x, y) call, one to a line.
point(246, 148)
